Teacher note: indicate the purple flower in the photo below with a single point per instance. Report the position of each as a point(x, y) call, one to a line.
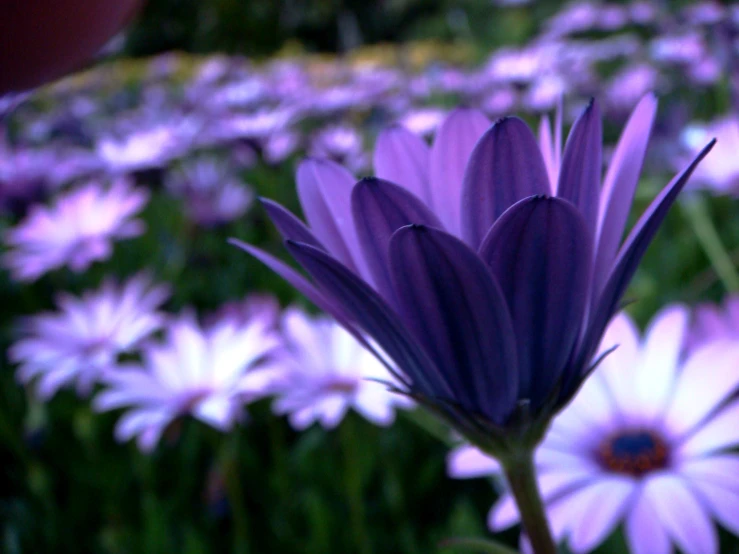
point(211, 188)
point(644, 442)
point(720, 171)
point(342, 144)
point(487, 283)
point(711, 323)
point(325, 372)
point(196, 371)
point(75, 231)
point(86, 335)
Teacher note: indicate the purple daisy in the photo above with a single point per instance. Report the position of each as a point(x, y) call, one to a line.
point(86, 335)
point(720, 171)
point(325, 372)
point(196, 371)
point(645, 442)
point(77, 230)
point(489, 272)
point(711, 322)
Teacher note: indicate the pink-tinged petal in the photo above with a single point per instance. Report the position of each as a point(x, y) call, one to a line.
point(629, 257)
point(592, 512)
point(456, 309)
point(466, 462)
point(722, 470)
point(721, 432)
point(289, 226)
point(723, 503)
point(216, 411)
point(503, 514)
point(708, 377)
point(325, 188)
point(658, 371)
point(403, 158)
point(540, 254)
point(505, 167)
point(645, 533)
point(379, 209)
point(682, 514)
point(372, 314)
point(579, 176)
point(619, 186)
point(550, 156)
point(452, 147)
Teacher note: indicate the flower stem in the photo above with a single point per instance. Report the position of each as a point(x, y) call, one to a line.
point(521, 475)
point(354, 486)
point(697, 213)
point(235, 494)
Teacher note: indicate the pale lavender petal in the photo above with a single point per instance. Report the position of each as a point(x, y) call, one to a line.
point(682, 514)
point(645, 533)
point(325, 188)
point(723, 503)
point(451, 301)
point(722, 469)
point(379, 209)
point(579, 176)
point(403, 158)
point(619, 186)
point(452, 147)
point(466, 462)
point(546, 145)
point(720, 433)
point(540, 253)
point(505, 167)
point(708, 377)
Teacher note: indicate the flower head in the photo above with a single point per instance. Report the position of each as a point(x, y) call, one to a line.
point(644, 442)
point(324, 372)
point(86, 335)
point(199, 371)
point(720, 171)
point(485, 267)
point(75, 231)
point(711, 323)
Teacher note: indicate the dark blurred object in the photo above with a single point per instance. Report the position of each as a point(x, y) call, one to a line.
point(44, 39)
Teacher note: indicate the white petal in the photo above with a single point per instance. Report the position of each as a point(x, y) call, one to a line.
point(720, 432)
point(723, 502)
point(645, 533)
point(468, 462)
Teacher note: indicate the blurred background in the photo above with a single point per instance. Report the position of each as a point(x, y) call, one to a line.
point(204, 106)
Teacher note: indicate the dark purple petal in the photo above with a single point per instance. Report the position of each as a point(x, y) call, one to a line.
point(619, 187)
point(540, 252)
point(579, 176)
point(289, 226)
point(452, 303)
point(403, 158)
point(324, 189)
point(452, 147)
point(630, 255)
point(379, 209)
point(374, 316)
point(505, 166)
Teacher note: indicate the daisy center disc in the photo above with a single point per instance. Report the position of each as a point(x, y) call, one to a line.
point(633, 452)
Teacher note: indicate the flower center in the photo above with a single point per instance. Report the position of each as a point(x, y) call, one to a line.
point(634, 452)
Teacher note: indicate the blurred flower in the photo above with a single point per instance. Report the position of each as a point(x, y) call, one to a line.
point(86, 335)
point(483, 236)
point(720, 170)
point(144, 149)
point(325, 372)
point(645, 441)
point(211, 189)
point(75, 231)
point(711, 323)
point(199, 371)
point(342, 144)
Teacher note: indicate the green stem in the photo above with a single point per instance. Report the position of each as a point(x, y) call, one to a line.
point(354, 486)
point(235, 492)
point(697, 213)
point(521, 475)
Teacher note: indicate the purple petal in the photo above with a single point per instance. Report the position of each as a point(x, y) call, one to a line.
point(719, 433)
point(540, 253)
point(379, 209)
point(579, 176)
point(452, 147)
point(620, 185)
point(644, 531)
point(505, 167)
point(403, 158)
point(457, 311)
point(722, 501)
point(373, 315)
point(324, 189)
point(289, 226)
point(630, 256)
